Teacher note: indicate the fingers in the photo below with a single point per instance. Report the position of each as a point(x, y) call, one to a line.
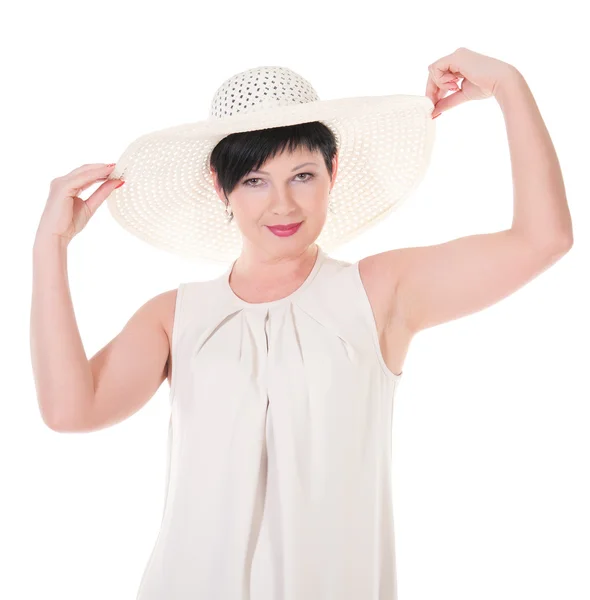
point(83, 177)
point(100, 194)
point(436, 91)
point(441, 80)
point(449, 102)
point(88, 166)
point(449, 77)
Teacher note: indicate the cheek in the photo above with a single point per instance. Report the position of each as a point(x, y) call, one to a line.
point(313, 196)
point(249, 212)
point(317, 204)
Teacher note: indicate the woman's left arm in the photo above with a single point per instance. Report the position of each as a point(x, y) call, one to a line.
point(541, 212)
point(425, 286)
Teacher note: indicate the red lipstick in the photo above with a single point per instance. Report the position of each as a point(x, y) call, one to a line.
point(285, 230)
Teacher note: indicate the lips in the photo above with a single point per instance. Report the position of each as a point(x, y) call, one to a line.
point(284, 230)
point(284, 227)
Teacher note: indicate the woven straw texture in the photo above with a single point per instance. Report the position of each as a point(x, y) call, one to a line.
point(169, 199)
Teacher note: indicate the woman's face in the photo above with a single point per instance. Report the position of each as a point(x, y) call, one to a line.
point(289, 188)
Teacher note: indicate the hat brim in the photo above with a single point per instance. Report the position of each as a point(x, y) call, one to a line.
point(169, 200)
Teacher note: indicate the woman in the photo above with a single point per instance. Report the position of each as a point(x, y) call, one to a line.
point(283, 370)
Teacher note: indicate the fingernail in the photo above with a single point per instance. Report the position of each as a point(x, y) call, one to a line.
point(439, 114)
point(111, 164)
point(118, 186)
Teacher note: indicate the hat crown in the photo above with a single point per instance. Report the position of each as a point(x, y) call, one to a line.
point(259, 89)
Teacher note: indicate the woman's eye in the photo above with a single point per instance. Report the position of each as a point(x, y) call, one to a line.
point(247, 181)
point(310, 176)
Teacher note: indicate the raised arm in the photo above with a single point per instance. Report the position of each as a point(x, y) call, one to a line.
point(429, 285)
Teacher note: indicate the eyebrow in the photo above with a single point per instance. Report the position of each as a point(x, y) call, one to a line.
point(293, 169)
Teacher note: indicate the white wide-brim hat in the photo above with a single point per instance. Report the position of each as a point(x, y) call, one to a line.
point(169, 199)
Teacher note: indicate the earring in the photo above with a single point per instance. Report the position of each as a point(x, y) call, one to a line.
point(228, 213)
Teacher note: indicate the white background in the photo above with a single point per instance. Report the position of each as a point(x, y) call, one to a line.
point(491, 445)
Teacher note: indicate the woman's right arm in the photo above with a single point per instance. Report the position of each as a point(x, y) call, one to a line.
point(73, 392)
point(63, 378)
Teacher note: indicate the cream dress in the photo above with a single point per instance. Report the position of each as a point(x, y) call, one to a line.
point(279, 480)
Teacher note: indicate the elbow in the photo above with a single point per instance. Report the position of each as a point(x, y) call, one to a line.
point(61, 422)
point(554, 247)
point(554, 243)
point(562, 245)
point(56, 424)
point(569, 242)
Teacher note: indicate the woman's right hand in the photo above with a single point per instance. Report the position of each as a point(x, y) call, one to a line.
point(65, 214)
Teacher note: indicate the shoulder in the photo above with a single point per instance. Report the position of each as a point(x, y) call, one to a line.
point(164, 305)
point(380, 276)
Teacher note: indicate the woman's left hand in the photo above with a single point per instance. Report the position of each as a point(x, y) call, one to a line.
point(481, 75)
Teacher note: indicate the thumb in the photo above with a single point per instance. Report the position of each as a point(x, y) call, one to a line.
point(102, 193)
point(449, 102)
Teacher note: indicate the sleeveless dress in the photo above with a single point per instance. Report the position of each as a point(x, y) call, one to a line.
point(279, 473)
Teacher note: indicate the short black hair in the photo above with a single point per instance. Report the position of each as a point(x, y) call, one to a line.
point(239, 153)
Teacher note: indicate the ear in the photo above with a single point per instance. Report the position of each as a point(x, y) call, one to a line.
point(334, 168)
point(216, 186)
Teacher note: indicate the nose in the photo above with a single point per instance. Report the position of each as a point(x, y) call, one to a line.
point(282, 202)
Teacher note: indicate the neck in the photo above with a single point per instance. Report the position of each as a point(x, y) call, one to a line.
point(269, 271)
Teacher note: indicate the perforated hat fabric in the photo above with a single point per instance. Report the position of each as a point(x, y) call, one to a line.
point(169, 199)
